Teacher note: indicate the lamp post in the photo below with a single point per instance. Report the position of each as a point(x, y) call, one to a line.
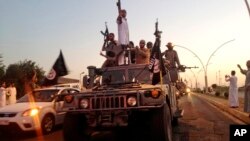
point(206, 81)
point(206, 66)
point(247, 7)
point(195, 76)
point(203, 66)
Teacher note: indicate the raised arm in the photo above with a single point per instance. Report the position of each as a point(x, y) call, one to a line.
point(119, 18)
point(241, 70)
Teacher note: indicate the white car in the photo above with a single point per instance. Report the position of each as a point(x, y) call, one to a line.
point(36, 111)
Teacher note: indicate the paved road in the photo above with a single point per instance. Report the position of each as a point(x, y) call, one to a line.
point(201, 122)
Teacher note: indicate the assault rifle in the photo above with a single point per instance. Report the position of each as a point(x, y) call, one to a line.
point(105, 34)
point(119, 19)
point(119, 5)
point(157, 32)
point(182, 68)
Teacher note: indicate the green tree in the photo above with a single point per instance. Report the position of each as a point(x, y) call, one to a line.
point(25, 74)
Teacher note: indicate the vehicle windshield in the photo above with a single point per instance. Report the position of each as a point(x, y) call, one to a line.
point(39, 96)
point(139, 75)
point(114, 77)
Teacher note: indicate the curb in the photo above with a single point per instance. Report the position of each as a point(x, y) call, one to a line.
point(235, 113)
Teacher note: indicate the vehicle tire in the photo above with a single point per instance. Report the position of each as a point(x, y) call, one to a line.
point(161, 124)
point(48, 124)
point(75, 127)
point(139, 126)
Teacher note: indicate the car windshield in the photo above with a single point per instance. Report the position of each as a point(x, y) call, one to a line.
point(39, 96)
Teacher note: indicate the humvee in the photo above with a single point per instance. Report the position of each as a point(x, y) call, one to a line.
point(121, 96)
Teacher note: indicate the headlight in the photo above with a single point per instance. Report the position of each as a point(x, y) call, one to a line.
point(131, 101)
point(188, 90)
point(177, 93)
point(31, 112)
point(84, 103)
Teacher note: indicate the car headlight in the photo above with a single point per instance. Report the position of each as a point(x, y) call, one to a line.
point(31, 112)
point(131, 101)
point(177, 93)
point(188, 90)
point(84, 103)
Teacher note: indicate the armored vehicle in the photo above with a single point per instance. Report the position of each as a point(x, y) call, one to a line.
point(121, 96)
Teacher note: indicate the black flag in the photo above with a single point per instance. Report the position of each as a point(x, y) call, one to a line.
point(58, 69)
point(156, 65)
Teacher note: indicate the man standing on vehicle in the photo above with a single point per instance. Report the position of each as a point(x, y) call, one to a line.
point(112, 51)
point(171, 59)
point(123, 34)
point(142, 54)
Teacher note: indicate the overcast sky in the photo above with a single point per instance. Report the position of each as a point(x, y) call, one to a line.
point(37, 30)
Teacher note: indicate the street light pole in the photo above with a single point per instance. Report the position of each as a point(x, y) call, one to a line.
point(247, 7)
point(206, 81)
point(196, 77)
point(203, 66)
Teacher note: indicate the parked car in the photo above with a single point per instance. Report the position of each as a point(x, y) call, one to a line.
point(36, 111)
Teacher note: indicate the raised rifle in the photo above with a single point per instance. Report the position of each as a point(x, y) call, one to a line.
point(105, 34)
point(157, 32)
point(119, 19)
point(118, 3)
point(157, 39)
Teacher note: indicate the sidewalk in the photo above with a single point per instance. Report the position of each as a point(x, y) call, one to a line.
point(222, 104)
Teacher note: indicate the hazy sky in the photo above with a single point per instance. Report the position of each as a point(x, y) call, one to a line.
point(37, 30)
